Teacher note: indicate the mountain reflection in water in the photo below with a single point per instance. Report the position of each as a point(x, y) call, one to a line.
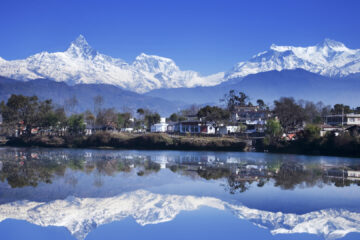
point(82, 189)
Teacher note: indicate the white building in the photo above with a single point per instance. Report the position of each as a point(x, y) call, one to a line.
point(129, 130)
point(343, 119)
point(229, 129)
point(195, 127)
point(160, 127)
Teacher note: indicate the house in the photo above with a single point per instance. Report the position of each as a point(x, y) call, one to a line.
point(252, 113)
point(195, 127)
point(128, 130)
point(257, 125)
point(325, 128)
point(353, 174)
point(343, 119)
point(160, 127)
point(228, 129)
point(253, 117)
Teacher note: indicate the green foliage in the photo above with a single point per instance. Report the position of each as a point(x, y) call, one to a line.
point(174, 117)
point(290, 114)
point(273, 128)
point(123, 120)
point(209, 113)
point(312, 131)
point(76, 124)
point(261, 104)
point(30, 112)
point(151, 118)
point(341, 108)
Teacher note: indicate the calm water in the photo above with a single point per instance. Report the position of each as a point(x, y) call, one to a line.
point(108, 194)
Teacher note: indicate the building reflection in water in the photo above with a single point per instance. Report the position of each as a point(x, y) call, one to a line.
point(25, 167)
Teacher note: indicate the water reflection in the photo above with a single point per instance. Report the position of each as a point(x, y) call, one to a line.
point(29, 167)
point(82, 215)
point(83, 189)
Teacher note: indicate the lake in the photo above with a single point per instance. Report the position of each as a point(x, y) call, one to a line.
point(127, 194)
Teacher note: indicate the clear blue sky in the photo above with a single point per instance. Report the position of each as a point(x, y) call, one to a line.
point(206, 36)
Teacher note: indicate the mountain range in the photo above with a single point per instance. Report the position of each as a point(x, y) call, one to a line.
point(82, 215)
point(271, 85)
point(80, 63)
point(328, 72)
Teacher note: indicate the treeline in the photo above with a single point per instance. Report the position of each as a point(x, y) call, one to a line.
point(23, 115)
point(304, 120)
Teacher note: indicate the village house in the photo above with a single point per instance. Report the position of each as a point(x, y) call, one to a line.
point(353, 173)
point(325, 128)
point(251, 116)
point(127, 130)
point(162, 126)
point(195, 127)
point(228, 129)
point(343, 119)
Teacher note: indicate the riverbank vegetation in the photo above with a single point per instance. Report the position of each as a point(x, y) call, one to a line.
point(133, 141)
point(289, 126)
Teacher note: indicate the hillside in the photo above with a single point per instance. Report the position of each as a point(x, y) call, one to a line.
point(113, 96)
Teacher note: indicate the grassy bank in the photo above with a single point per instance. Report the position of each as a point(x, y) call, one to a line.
point(132, 141)
point(344, 146)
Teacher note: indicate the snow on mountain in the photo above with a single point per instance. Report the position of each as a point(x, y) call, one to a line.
point(80, 63)
point(329, 58)
point(81, 215)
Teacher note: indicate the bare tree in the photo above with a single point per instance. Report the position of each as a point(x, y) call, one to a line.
point(98, 104)
point(70, 105)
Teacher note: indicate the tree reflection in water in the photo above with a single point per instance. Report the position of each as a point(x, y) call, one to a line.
point(29, 167)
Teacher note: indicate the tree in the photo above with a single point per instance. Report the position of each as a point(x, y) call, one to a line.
point(107, 118)
point(22, 110)
point(216, 114)
point(123, 120)
point(140, 111)
point(89, 118)
point(273, 129)
point(312, 111)
point(190, 111)
point(290, 114)
point(76, 124)
point(234, 99)
point(98, 104)
point(70, 105)
point(340, 109)
point(151, 118)
point(357, 110)
point(174, 117)
point(311, 132)
point(261, 104)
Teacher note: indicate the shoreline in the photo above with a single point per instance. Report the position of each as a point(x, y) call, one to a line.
point(152, 141)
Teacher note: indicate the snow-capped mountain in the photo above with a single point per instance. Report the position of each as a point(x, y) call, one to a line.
point(80, 63)
point(81, 215)
point(329, 58)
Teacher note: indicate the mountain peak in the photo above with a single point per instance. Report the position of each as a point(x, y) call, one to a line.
point(153, 57)
point(81, 48)
point(335, 45)
point(80, 41)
